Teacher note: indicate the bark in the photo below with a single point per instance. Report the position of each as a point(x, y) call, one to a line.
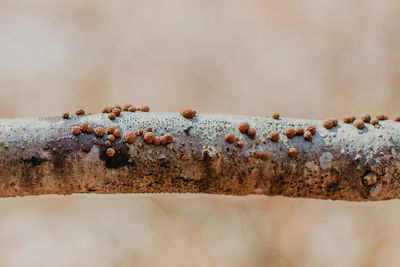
point(41, 156)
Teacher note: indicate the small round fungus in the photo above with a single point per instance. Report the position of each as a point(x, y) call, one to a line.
point(290, 132)
point(99, 131)
point(187, 112)
point(275, 115)
point(130, 137)
point(252, 133)
point(274, 136)
point(230, 138)
point(311, 128)
point(149, 137)
point(110, 152)
point(243, 127)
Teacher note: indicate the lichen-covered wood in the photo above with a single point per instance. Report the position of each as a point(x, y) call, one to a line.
point(43, 156)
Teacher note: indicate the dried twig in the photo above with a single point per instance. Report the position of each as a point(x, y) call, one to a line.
point(42, 156)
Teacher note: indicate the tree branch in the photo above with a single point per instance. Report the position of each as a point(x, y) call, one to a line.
point(43, 156)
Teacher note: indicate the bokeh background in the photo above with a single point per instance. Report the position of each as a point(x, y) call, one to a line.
point(312, 59)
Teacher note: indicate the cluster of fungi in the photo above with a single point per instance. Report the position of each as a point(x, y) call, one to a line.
point(244, 128)
point(113, 133)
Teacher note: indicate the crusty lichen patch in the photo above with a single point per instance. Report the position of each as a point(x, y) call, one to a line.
point(325, 161)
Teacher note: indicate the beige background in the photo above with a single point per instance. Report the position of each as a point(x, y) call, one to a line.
point(313, 59)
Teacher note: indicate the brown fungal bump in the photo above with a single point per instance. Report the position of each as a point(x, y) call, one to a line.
point(110, 129)
point(335, 121)
point(112, 116)
point(251, 133)
point(126, 107)
point(116, 111)
point(290, 132)
point(99, 131)
point(117, 133)
point(130, 137)
point(265, 156)
point(166, 139)
point(116, 106)
point(157, 141)
point(230, 138)
point(311, 128)
point(80, 112)
point(359, 124)
point(144, 109)
point(84, 127)
point(107, 143)
point(243, 127)
point(348, 119)
point(240, 144)
point(299, 130)
point(275, 115)
point(292, 152)
point(274, 136)
point(149, 137)
point(374, 121)
point(396, 118)
point(307, 135)
point(132, 109)
point(111, 137)
point(382, 117)
point(365, 117)
point(187, 112)
point(75, 130)
point(65, 115)
point(328, 124)
point(110, 152)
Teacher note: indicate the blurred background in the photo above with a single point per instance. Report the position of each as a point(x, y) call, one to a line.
point(312, 59)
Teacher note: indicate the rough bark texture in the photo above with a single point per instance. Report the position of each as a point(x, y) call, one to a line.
point(42, 156)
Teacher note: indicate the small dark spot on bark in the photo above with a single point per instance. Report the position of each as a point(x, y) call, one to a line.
point(187, 131)
point(164, 162)
point(120, 158)
point(34, 160)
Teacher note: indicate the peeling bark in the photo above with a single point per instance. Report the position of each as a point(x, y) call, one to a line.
point(42, 156)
